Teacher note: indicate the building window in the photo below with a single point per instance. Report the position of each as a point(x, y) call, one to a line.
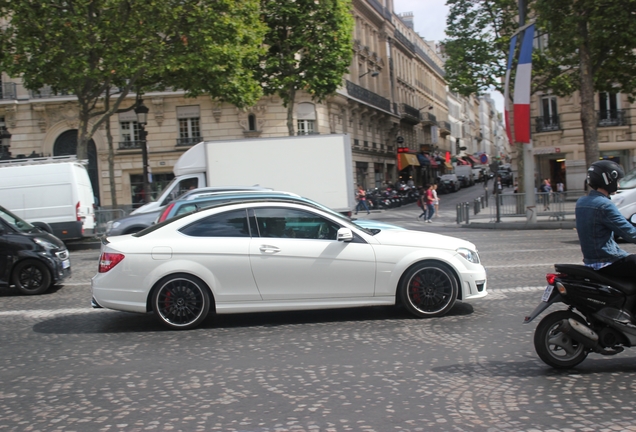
point(251, 122)
point(189, 125)
point(129, 131)
point(306, 118)
point(609, 113)
point(549, 120)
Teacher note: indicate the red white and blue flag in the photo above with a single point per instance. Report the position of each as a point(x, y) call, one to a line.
point(511, 55)
point(522, 88)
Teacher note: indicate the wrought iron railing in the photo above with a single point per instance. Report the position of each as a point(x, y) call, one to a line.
point(368, 96)
point(611, 118)
point(548, 123)
point(47, 92)
point(130, 145)
point(409, 114)
point(188, 141)
point(427, 117)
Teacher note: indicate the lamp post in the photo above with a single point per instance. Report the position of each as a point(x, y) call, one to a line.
point(373, 74)
point(5, 138)
point(142, 119)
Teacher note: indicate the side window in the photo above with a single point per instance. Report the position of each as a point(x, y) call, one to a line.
point(227, 224)
point(288, 223)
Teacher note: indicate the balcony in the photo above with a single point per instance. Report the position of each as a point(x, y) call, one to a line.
point(409, 114)
point(8, 91)
point(130, 145)
point(547, 123)
point(428, 119)
point(182, 142)
point(444, 128)
point(46, 92)
point(611, 118)
point(404, 40)
point(368, 97)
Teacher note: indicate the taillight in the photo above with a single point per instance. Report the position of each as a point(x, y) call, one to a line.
point(550, 277)
point(77, 211)
point(165, 213)
point(109, 260)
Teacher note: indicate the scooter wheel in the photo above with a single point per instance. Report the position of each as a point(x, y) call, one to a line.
point(555, 348)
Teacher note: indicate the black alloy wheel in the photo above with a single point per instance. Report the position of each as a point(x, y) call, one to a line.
point(429, 289)
point(181, 301)
point(31, 277)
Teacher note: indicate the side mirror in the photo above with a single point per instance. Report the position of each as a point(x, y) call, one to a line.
point(345, 235)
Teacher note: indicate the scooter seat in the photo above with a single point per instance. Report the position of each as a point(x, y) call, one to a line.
point(627, 286)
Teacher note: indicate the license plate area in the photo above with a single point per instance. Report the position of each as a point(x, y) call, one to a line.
point(66, 264)
point(547, 293)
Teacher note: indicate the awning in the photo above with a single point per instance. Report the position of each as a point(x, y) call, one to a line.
point(462, 162)
point(474, 161)
point(406, 159)
point(448, 165)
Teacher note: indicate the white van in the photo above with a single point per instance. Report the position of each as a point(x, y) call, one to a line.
point(53, 193)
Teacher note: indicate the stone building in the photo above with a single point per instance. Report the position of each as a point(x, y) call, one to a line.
point(392, 103)
point(557, 136)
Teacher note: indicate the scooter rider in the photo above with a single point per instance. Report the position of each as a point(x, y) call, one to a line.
point(598, 220)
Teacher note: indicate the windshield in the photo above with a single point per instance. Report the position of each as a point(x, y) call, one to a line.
point(629, 181)
point(16, 222)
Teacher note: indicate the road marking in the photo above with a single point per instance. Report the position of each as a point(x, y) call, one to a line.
point(520, 265)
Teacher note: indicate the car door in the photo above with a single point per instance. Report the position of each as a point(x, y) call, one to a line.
point(303, 260)
point(7, 252)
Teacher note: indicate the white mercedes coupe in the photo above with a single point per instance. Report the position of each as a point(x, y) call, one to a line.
point(267, 255)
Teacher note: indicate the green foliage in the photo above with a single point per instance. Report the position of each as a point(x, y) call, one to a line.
point(477, 44)
point(88, 46)
point(605, 29)
point(309, 47)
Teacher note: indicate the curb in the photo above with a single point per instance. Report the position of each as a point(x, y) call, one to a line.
point(522, 225)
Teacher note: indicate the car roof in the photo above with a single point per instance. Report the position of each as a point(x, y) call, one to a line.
point(234, 193)
point(219, 189)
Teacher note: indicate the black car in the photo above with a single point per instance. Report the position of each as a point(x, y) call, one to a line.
point(506, 177)
point(31, 259)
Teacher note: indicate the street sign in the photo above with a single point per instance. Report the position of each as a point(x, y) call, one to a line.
point(400, 140)
point(483, 158)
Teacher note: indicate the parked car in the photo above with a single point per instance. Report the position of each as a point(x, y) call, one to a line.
point(32, 260)
point(464, 181)
point(451, 182)
point(137, 221)
point(257, 255)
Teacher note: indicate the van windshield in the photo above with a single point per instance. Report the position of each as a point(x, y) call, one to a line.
point(629, 181)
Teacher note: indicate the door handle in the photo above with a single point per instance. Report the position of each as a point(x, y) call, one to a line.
point(269, 249)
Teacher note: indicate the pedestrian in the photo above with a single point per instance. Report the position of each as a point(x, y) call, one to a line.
point(427, 204)
point(435, 200)
point(423, 201)
point(362, 200)
point(498, 187)
point(546, 190)
point(560, 187)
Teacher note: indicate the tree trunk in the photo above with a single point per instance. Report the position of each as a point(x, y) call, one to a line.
point(290, 111)
point(588, 116)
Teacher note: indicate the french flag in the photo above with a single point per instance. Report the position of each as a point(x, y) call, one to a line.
point(511, 55)
point(522, 88)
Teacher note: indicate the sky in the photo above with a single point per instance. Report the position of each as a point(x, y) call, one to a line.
point(429, 17)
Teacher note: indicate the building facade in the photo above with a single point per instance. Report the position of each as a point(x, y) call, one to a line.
point(392, 103)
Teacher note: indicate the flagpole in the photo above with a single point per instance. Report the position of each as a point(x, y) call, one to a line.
point(528, 156)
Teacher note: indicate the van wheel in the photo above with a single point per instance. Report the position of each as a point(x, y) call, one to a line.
point(31, 277)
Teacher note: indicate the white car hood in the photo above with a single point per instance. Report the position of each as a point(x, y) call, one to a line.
point(421, 239)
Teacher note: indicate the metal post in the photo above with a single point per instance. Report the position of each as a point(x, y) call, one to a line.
point(498, 204)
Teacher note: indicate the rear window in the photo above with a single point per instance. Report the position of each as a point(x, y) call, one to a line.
point(227, 224)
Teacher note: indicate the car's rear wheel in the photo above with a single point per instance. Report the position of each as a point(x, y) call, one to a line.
point(428, 289)
point(31, 277)
point(181, 301)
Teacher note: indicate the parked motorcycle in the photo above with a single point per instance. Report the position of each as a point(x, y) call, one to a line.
point(599, 318)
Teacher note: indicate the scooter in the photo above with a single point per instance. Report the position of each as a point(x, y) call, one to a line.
point(599, 317)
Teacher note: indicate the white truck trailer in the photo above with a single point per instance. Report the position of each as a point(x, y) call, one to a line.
point(318, 167)
point(53, 193)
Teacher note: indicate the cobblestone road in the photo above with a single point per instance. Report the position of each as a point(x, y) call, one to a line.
point(66, 367)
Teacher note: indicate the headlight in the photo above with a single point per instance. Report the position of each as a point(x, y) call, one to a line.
point(470, 256)
point(45, 244)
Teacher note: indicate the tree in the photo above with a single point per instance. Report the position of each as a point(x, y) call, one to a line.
point(590, 48)
point(86, 47)
point(309, 48)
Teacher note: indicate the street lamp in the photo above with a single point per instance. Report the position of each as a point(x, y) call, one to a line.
point(5, 138)
point(142, 119)
point(373, 74)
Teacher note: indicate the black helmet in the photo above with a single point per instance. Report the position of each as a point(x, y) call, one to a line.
point(605, 174)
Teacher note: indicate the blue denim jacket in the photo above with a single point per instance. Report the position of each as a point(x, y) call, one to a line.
point(597, 219)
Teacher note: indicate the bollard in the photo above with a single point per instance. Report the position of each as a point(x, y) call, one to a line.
point(459, 213)
point(467, 212)
point(477, 206)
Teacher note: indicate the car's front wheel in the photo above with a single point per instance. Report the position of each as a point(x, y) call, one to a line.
point(31, 277)
point(181, 301)
point(428, 289)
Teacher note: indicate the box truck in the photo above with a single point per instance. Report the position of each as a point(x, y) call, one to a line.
point(318, 167)
point(53, 193)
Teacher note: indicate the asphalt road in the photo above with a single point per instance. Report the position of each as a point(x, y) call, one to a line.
point(65, 366)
